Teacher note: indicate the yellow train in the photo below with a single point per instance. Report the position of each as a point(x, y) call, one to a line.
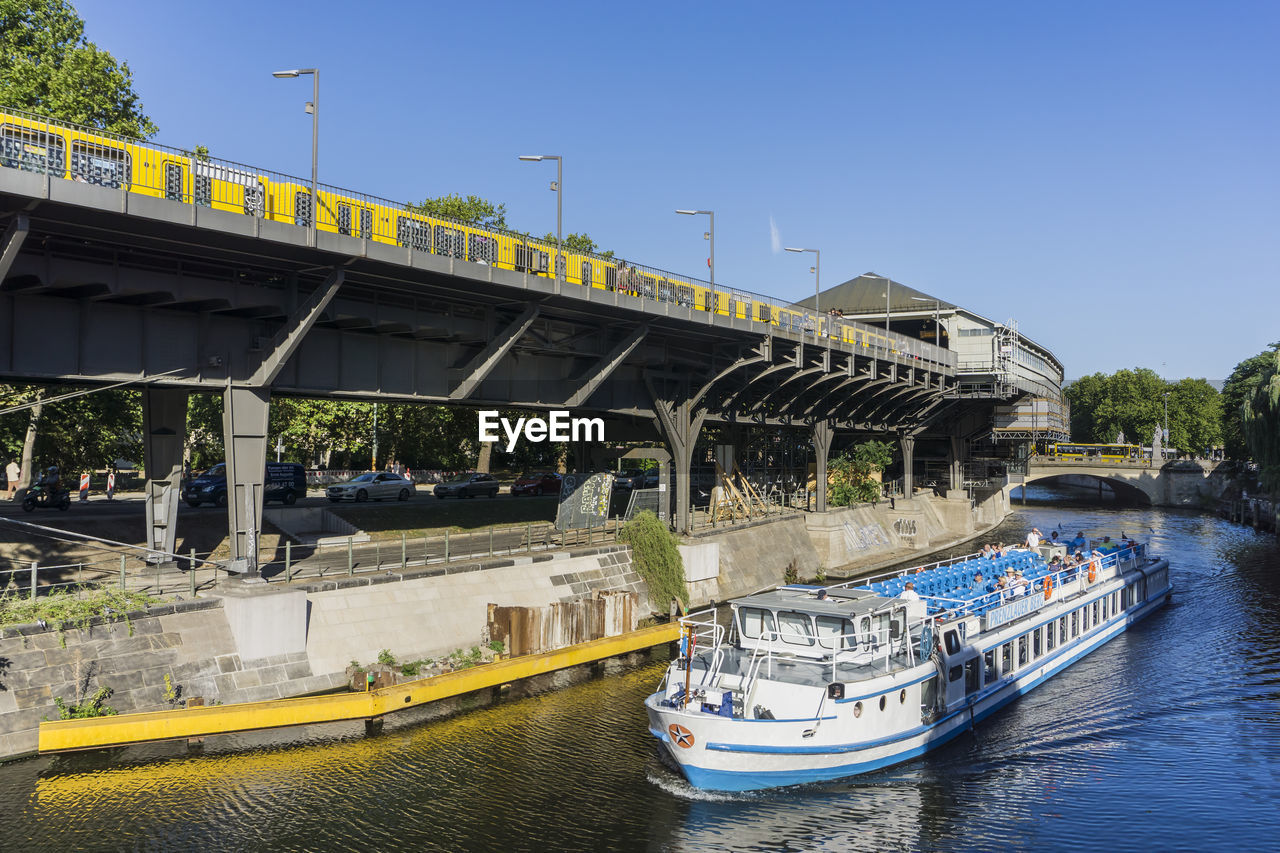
point(90, 156)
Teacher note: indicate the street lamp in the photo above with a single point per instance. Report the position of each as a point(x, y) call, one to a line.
point(711, 235)
point(817, 268)
point(937, 309)
point(556, 188)
point(314, 109)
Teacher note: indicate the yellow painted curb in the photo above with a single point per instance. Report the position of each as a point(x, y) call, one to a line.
point(124, 729)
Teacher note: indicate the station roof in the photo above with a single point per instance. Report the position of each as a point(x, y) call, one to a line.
point(865, 295)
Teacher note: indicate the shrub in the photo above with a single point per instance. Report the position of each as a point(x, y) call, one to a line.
point(386, 658)
point(89, 707)
point(656, 559)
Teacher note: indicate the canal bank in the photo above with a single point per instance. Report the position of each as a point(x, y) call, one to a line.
point(256, 642)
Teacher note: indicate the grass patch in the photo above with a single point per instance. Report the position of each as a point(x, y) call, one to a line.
point(431, 517)
point(61, 609)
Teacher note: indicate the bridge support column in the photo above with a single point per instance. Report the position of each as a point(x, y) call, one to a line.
point(164, 431)
point(908, 443)
point(823, 434)
point(244, 428)
point(956, 457)
point(679, 424)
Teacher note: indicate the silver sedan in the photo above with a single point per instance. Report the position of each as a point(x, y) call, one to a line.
point(372, 486)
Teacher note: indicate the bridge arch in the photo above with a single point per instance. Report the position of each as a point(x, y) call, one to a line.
point(1138, 487)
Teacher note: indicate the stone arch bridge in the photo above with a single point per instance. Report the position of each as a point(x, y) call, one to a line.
point(1180, 483)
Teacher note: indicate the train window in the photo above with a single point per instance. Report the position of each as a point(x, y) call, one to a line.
point(31, 151)
point(202, 190)
point(412, 234)
point(173, 182)
point(709, 301)
point(98, 164)
point(344, 219)
point(302, 208)
point(255, 200)
point(586, 273)
point(481, 249)
point(664, 290)
point(762, 312)
point(450, 242)
point(366, 222)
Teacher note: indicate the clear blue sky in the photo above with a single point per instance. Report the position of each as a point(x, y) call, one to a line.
point(1104, 172)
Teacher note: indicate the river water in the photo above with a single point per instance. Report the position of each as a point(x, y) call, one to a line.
point(1167, 738)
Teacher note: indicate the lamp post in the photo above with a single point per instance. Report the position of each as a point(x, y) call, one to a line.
point(314, 109)
point(557, 188)
point(711, 235)
point(817, 291)
point(937, 309)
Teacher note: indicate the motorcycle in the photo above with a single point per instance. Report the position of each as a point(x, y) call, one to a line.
point(40, 495)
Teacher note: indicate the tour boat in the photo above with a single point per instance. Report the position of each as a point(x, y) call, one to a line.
point(807, 684)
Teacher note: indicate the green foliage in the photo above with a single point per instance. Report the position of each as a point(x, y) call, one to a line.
point(656, 558)
point(580, 244)
point(386, 658)
point(171, 690)
point(89, 707)
point(497, 647)
point(471, 210)
point(791, 574)
point(62, 609)
point(850, 475)
point(1238, 390)
point(1133, 401)
point(49, 67)
point(1260, 417)
point(81, 434)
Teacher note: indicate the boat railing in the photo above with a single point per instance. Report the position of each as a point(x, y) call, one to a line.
point(703, 628)
point(883, 576)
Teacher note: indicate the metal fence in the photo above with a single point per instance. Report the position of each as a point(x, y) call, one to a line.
point(85, 155)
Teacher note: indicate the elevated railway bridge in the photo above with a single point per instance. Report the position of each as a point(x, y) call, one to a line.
point(107, 281)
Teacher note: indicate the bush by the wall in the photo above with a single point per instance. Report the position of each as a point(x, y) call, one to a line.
point(656, 557)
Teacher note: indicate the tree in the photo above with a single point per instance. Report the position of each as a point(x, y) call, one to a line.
point(471, 210)
point(1237, 390)
point(49, 67)
point(1195, 415)
point(850, 475)
point(1260, 418)
point(1085, 395)
point(580, 244)
point(1133, 402)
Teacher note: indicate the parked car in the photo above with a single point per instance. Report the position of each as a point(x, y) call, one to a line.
point(651, 478)
point(537, 484)
point(374, 486)
point(468, 486)
point(631, 478)
point(284, 481)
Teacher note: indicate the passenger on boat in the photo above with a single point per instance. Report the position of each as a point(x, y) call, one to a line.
point(909, 592)
point(1078, 543)
point(1002, 590)
point(1019, 585)
point(1033, 538)
point(1053, 538)
point(987, 551)
point(1107, 545)
point(978, 586)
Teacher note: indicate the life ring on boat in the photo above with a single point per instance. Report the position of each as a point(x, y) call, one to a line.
point(1048, 587)
point(1093, 570)
point(680, 736)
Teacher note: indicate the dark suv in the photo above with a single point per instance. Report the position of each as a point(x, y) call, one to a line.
point(467, 486)
point(284, 481)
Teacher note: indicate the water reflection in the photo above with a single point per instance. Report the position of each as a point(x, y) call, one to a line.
point(1164, 738)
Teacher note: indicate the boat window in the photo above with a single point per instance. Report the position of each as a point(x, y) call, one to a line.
point(831, 629)
point(899, 623)
point(972, 675)
point(1096, 607)
point(952, 641)
point(1050, 635)
point(1106, 604)
point(866, 631)
point(1022, 650)
point(882, 703)
point(928, 697)
point(1006, 658)
point(1075, 623)
point(795, 628)
point(1062, 630)
point(955, 673)
point(756, 623)
point(989, 659)
point(1035, 643)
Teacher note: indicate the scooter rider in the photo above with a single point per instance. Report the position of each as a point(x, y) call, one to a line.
point(51, 480)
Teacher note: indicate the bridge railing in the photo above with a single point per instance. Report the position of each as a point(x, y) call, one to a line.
point(86, 155)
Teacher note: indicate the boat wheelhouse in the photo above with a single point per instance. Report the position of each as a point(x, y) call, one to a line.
point(813, 683)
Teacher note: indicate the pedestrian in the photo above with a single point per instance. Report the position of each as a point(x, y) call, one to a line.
point(13, 472)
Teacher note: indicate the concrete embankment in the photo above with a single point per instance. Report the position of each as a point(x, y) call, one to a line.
point(250, 643)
